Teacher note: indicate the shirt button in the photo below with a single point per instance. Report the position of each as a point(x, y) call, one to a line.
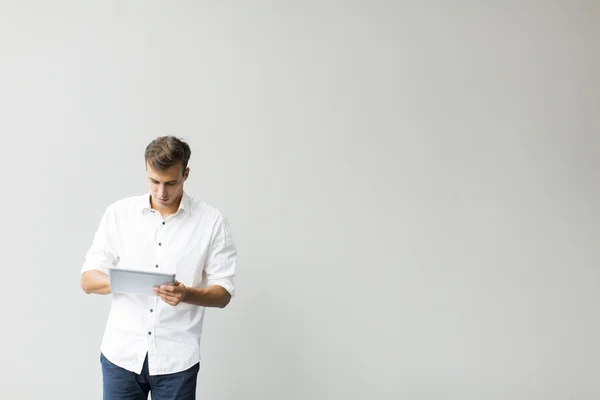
point(151, 310)
point(163, 222)
point(156, 265)
point(160, 244)
point(149, 333)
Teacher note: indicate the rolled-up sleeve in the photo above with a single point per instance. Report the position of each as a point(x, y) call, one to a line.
point(102, 253)
point(220, 265)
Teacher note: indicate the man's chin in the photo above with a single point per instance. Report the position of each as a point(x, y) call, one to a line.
point(162, 204)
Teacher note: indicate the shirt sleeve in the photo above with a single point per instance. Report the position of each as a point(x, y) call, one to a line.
point(102, 253)
point(219, 268)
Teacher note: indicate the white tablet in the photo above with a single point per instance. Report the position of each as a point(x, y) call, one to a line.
point(137, 282)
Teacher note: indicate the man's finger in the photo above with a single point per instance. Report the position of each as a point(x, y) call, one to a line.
point(168, 296)
point(166, 293)
point(169, 301)
point(174, 289)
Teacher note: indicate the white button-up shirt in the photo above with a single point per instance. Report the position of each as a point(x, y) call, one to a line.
point(194, 243)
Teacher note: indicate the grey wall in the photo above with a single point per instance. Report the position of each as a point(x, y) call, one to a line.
point(412, 188)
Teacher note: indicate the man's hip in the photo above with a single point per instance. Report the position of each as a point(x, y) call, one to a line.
point(121, 384)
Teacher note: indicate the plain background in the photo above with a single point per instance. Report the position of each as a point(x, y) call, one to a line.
point(412, 188)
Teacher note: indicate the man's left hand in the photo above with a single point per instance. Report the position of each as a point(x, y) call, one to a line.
point(171, 294)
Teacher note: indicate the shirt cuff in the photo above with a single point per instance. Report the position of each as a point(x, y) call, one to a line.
point(89, 267)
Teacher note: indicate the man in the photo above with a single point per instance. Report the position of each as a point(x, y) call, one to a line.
point(152, 343)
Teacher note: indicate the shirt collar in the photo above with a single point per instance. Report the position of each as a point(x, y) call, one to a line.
point(184, 204)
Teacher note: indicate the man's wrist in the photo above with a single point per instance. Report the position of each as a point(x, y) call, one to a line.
point(193, 295)
point(185, 292)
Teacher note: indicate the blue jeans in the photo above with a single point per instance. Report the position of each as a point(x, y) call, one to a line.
point(120, 384)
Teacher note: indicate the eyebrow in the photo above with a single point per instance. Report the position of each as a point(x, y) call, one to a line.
point(154, 180)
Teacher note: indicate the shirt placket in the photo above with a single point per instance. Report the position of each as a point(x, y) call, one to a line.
point(159, 236)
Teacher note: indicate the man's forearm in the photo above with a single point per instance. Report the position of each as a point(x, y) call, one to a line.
point(95, 281)
point(214, 296)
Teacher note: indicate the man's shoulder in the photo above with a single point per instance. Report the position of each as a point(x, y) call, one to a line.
point(126, 203)
point(202, 207)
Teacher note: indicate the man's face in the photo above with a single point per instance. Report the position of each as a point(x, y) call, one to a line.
point(166, 187)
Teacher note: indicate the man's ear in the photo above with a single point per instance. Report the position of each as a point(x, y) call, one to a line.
point(186, 173)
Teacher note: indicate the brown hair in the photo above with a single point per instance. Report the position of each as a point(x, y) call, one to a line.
point(166, 151)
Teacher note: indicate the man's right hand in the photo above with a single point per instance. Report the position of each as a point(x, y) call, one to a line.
point(95, 281)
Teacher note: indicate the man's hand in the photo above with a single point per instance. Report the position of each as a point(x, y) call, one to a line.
point(172, 294)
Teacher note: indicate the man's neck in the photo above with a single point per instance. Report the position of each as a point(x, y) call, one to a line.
point(165, 212)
